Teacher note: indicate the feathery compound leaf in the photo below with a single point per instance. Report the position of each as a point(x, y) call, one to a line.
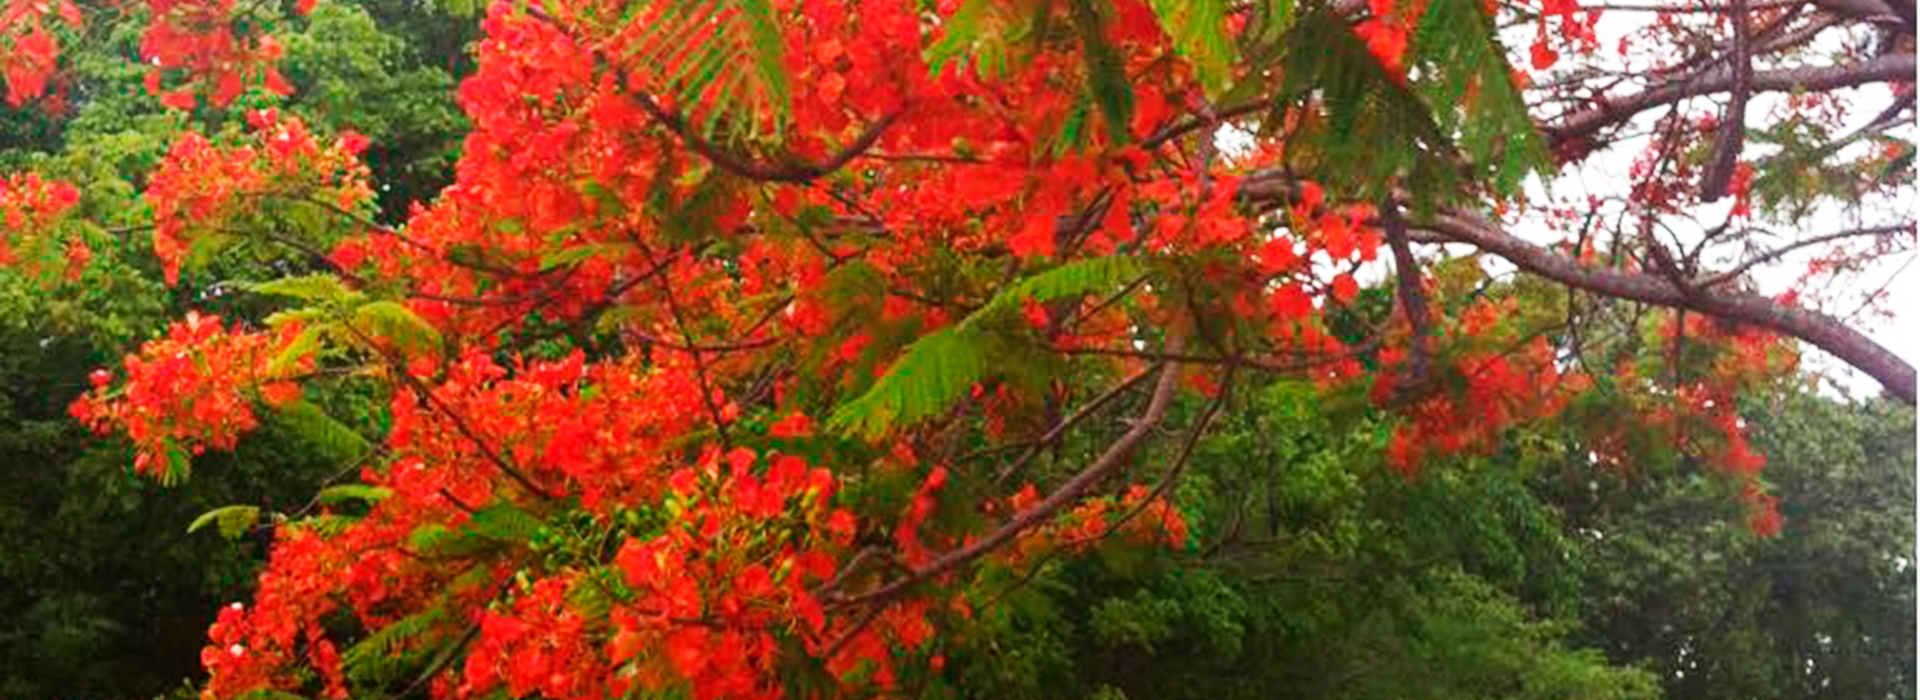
point(305, 344)
point(233, 521)
point(1469, 86)
point(390, 320)
point(1369, 129)
point(933, 372)
point(939, 368)
point(721, 60)
point(316, 287)
point(341, 493)
point(1106, 72)
point(320, 434)
point(505, 522)
point(976, 36)
point(381, 656)
point(1076, 278)
point(1199, 32)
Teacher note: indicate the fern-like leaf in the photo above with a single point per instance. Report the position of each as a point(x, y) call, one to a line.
point(1199, 32)
point(232, 521)
point(505, 522)
point(940, 367)
point(341, 493)
point(397, 323)
point(975, 36)
point(1470, 88)
point(720, 60)
point(1106, 71)
point(934, 370)
point(316, 287)
point(381, 656)
point(1076, 278)
point(1370, 129)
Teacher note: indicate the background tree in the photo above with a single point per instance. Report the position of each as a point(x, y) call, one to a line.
point(753, 344)
point(107, 593)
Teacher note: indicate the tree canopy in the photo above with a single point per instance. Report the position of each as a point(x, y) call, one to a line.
point(988, 348)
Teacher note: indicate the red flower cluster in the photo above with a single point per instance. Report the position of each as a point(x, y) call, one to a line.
point(186, 391)
point(29, 208)
point(200, 186)
point(1139, 517)
point(731, 576)
point(1574, 30)
point(1488, 387)
point(196, 38)
point(29, 52)
point(1387, 30)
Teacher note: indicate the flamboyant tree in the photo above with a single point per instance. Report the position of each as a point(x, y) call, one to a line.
point(744, 353)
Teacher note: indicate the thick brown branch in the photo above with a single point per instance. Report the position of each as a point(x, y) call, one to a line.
point(1880, 69)
point(1819, 330)
point(1413, 300)
point(1733, 124)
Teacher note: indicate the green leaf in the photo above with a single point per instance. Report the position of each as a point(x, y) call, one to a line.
point(940, 367)
point(315, 287)
point(233, 521)
point(305, 344)
point(933, 372)
point(1370, 130)
point(1199, 32)
point(1076, 278)
point(322, 435)
point(382, 655)
point(390, 320)
point(1106, 72)
point(1469, 86)
point(1277, 20)
point(505, 522)
point(341, 493)
point(573, 255)
point(736, 78)
point(967, 41)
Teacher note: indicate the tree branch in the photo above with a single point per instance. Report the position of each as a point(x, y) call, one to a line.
point(1880, 69)
point(1777, 253)
point(1413, 300)
point(1820, 330)
point(795, 172)
point(1109, 462)
point(1733, 123)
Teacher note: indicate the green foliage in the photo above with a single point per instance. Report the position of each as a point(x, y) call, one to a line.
point(319, 287)
point(1106, 73)
point(1469, 86)
point(106, 593)
point(1199, 31)
point(345, 493)
point(1320, 574)
point(1369, 130)
point(1809, 166)
point(392, 321)
point(940, 367)
point(1824, 610)
point(234, 521)
point(386, 69)
point(734, 84)
point(935, 370)
point(504, 522)
point(380, 657)
point(976, 36)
